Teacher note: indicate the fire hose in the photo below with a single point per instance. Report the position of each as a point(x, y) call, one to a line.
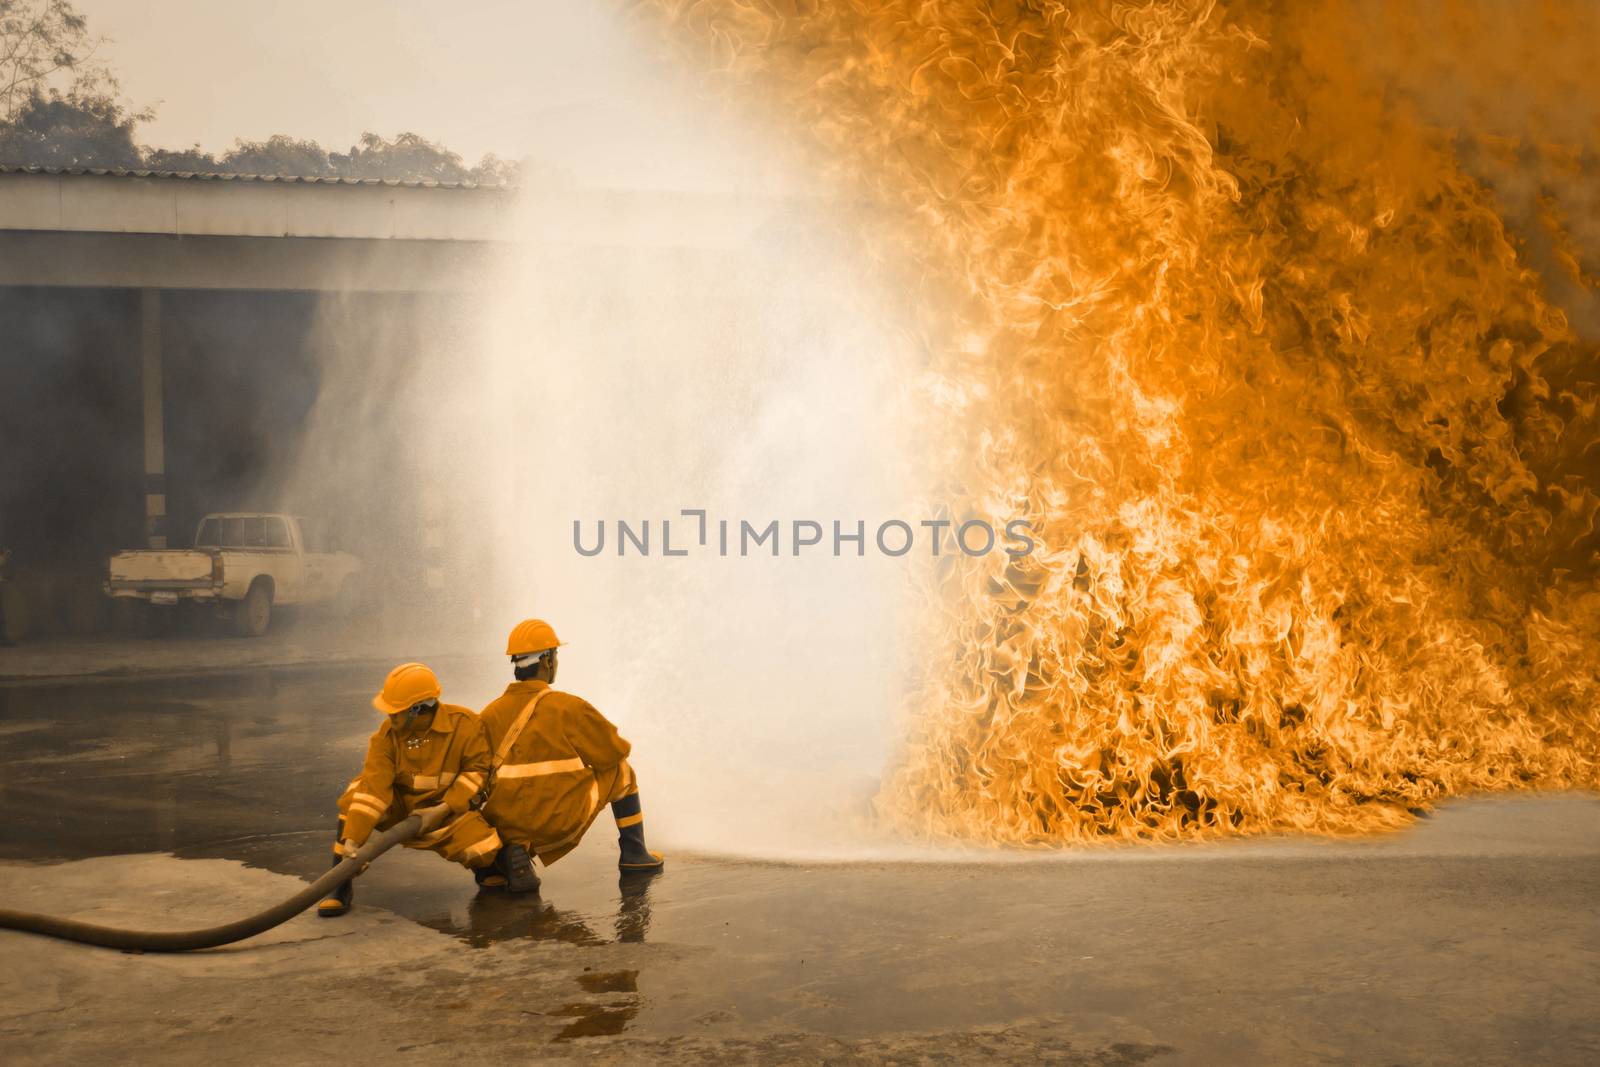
point(250, 926)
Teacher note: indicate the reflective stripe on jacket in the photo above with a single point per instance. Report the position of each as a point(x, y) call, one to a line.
point(546, 790)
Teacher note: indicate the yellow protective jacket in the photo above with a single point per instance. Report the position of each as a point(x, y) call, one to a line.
point(447, 763)
point(558, 773)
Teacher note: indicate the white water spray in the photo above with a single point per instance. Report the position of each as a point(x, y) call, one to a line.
point(652, 347)
point(732, 368)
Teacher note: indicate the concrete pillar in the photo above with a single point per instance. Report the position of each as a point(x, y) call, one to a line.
point(423, 313)
point(155, 447)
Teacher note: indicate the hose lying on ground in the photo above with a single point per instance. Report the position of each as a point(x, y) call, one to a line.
point(188, 940)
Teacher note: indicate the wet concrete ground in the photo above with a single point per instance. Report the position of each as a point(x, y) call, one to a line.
point(294, 640)
point(179, 801)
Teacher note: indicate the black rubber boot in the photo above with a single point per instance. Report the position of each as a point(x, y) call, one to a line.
point(517, 866)
point(630, 837)
point(338, 902)
point(489, 878)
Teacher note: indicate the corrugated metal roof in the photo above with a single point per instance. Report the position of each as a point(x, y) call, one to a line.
point(205, 176)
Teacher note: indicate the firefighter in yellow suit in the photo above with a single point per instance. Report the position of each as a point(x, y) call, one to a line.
point(557, 762)
point(426, 753)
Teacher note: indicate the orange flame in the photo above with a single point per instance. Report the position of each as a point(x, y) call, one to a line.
point(1292, 419)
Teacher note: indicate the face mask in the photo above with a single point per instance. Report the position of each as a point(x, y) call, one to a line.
point(406, 719)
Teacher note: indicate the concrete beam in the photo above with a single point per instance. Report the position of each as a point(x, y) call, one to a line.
point(156, 261)
point(251, 208)
point(175, 206)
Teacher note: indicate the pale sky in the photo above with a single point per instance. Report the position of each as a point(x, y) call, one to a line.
point(558, 79)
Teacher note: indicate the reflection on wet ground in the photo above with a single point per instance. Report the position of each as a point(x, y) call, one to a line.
point(604, 1018)
point(496, 917)
point(173, 764)
point(595, 1020)
point(246, 767)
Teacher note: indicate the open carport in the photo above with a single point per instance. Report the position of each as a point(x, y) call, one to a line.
point(163, 337)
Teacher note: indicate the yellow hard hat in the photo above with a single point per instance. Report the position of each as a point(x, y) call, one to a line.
point(530, 636)
point(406, 685)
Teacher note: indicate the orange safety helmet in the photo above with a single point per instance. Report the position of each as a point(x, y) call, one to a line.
point(530, 636)
point(406, 685)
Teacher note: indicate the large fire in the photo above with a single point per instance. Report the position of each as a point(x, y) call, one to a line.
point(1292, 416)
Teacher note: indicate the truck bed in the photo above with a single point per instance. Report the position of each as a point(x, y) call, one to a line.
point(158, 566)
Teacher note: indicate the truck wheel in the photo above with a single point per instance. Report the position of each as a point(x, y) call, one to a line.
point(254, 613)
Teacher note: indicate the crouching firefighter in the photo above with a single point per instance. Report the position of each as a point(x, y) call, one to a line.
point(426, 753)
point(557, 762)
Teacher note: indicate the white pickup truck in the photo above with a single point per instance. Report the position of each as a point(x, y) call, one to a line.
point(244, 564)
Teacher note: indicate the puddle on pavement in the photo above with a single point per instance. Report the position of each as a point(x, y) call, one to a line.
point(610, 982)
point(492, 918)
point(172, 764)
point(595, 1020)
point(605, 1018)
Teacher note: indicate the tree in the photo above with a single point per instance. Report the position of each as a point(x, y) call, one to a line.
point(279, 155)
point(45, 46)
point(407, 157)
point(192, 159)
point(492, 170)
point(60, 108)
point(72, 130)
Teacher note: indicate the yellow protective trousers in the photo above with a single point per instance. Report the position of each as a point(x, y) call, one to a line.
point(466, 839)
point(608, 787)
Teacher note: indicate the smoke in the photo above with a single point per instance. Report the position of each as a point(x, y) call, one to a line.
point(1516, 88)
point(740, 373)
point(715, 341)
